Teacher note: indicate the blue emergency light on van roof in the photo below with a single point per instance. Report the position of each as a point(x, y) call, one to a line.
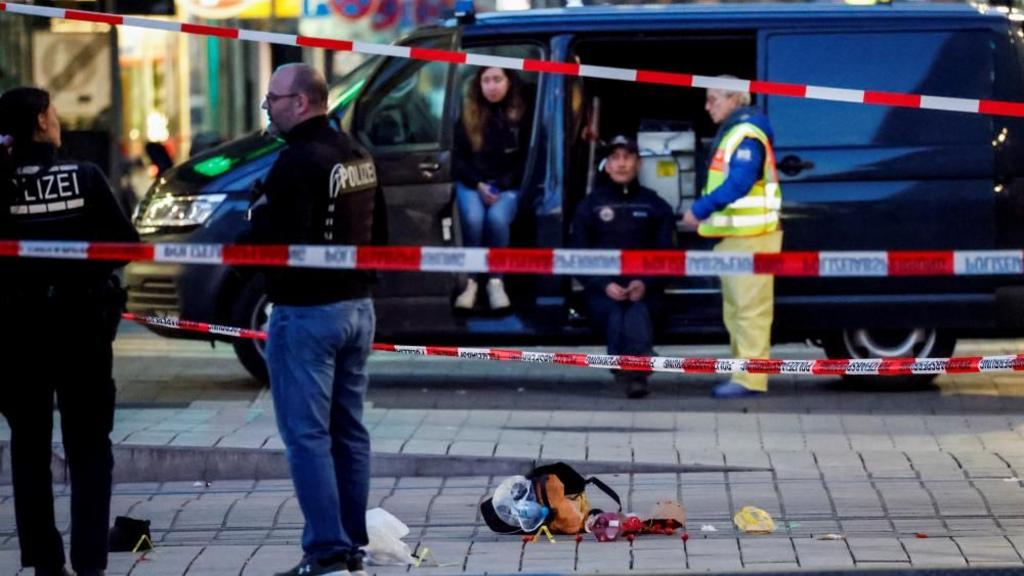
point(465, 11)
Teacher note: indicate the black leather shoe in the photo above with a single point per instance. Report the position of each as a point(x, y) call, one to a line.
point(355, 565)
point(314, 568)
point(637, 387)
point(635, 383)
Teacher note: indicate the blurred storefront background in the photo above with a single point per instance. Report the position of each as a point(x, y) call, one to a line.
point(120, 89)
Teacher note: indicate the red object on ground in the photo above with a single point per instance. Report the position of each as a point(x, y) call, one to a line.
point(632, 525)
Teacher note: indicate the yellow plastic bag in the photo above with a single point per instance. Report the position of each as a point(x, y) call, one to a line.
point(753, 520)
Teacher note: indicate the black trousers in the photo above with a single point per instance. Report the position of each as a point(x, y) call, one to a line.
point(60, 347)
point(628, 327)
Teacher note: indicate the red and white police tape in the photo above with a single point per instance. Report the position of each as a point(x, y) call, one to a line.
point(859, 367)
point(543, 261)
point(189, 326)
point(856, 96)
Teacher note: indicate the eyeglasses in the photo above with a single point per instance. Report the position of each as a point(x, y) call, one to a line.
point(271, 98)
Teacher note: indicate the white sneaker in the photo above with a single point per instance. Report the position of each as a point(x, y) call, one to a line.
point(466, 300)
point(496, 294)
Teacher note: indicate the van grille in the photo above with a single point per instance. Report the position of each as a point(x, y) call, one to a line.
point(154, 295)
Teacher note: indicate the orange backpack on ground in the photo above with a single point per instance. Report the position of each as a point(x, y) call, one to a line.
point(563, 491)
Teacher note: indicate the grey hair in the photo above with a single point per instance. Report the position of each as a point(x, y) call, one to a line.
point(309, 82)
point(744, 97)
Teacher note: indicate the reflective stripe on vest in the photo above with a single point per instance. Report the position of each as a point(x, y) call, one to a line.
point(758, 211)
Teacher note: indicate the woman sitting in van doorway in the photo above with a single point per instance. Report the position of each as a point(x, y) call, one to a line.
point(491, 140)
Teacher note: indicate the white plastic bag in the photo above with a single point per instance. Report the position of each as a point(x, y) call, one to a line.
point(386, 533)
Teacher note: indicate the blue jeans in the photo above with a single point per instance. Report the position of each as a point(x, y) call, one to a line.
point(485, 225)
point(317, 361)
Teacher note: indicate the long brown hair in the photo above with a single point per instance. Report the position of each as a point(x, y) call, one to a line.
point(476, 110)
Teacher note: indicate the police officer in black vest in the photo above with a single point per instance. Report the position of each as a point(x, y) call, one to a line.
point(60, 317)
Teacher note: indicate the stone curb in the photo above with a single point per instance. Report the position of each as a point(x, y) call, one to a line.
point(175, 464)
point(810, 571)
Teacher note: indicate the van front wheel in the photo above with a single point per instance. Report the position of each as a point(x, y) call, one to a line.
point(890, 343)
point(252, 311)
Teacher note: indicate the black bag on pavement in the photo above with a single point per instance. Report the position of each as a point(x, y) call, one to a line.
point(130, 535)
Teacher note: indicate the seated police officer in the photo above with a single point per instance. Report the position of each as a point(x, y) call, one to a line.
point(621, 214)
point(59, 322)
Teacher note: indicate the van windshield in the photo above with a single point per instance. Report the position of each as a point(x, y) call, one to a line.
point(214, 163)
point(344, 91)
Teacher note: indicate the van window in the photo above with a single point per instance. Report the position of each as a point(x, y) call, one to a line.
point(937, 63)
point(404, 104)
point(345, 91)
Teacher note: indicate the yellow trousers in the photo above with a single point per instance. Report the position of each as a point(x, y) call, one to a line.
point(748, 305)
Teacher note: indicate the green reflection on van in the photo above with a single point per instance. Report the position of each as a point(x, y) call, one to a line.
point(214, 166)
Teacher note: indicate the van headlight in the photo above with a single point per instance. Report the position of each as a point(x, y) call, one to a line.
point(180, 211)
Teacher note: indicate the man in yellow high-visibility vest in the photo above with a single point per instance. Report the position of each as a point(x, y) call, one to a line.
point(740, 204)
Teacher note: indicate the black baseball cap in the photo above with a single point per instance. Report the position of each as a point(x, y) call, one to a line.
point(622, 141)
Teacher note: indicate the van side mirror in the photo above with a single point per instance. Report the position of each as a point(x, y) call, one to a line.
point(159, 156)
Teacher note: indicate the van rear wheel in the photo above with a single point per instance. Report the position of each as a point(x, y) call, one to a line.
point(252, 311)
point(890, 343)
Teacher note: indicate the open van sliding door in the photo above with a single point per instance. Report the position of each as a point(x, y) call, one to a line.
point(672, 117)
point(860, 177)
point(402, 118)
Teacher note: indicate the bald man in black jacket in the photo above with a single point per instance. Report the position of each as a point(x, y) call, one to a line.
point(323, 189)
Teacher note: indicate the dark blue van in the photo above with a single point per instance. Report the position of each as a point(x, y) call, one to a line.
point(855, 177)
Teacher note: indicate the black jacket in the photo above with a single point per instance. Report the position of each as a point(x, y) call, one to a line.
point(323, 189)
point(501, 159)
point(50, 199)
point(620, 217)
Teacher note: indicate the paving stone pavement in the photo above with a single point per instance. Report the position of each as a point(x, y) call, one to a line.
point(249, 527)
point(909, 478)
